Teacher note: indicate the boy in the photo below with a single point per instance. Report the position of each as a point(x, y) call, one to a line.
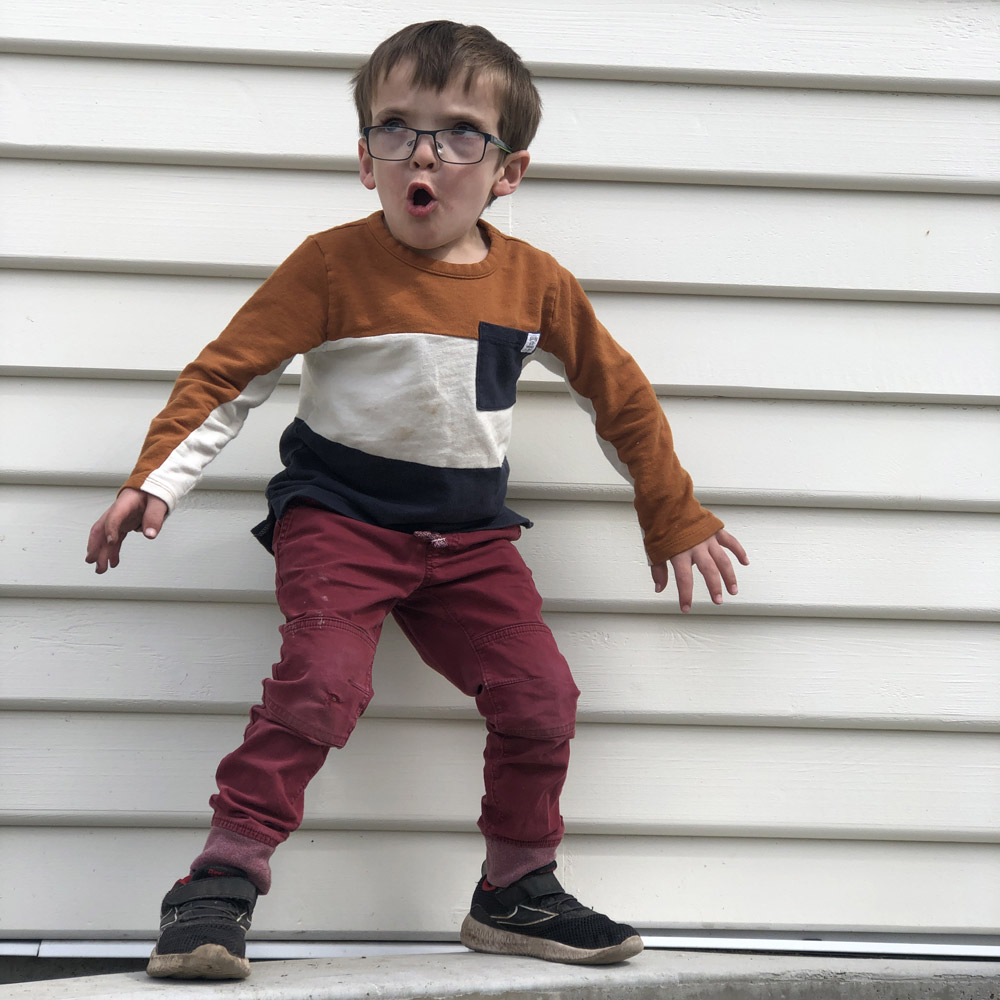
point(414, 324)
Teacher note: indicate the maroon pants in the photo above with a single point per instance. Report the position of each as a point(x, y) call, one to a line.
point(468, 604)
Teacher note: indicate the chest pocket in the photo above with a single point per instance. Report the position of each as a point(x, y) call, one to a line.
point(501, 353)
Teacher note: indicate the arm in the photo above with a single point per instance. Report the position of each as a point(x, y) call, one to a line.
point(628, 415)
point(212, 396)
point(209, 403)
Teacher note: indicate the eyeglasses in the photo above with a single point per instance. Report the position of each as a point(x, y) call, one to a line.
point(452, 145)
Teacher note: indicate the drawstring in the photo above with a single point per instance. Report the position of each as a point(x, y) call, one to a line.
point(436, 541)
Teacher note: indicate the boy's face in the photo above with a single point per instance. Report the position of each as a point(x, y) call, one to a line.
point(430, 206)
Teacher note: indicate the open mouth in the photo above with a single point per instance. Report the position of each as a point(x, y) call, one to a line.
point(421, 198)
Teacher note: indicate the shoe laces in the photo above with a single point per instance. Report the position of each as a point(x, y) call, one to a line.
point(218, 907)
point(562, 903)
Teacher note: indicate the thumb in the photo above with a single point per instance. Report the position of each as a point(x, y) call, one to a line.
point(153, 517)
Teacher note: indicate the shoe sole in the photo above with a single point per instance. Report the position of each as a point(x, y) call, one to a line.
point(480, 937)
point(207, 961)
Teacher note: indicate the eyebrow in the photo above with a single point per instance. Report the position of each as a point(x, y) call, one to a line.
point(468, 116)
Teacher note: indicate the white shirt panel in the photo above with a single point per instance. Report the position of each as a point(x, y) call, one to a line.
point(405, 396)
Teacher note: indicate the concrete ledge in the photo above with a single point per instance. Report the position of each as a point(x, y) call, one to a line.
point(663, 975)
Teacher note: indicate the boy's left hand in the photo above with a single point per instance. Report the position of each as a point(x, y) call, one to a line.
point(712, 563)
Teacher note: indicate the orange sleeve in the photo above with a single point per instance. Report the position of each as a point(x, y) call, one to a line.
point(628, 415)
point(287, 315)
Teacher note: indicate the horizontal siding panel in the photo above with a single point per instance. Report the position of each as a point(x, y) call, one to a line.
point(930, 565)
point(232, 220)
point(404, 774)
point(152, 656)
point(744, 740)
point(767, 347)
point(321, 877)
point(196, 112)
point(865, 450)
point(892, 41)
point(120, 323)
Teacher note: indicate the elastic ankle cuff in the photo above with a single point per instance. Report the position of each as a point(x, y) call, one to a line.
point(223, 847)
point(507, 862)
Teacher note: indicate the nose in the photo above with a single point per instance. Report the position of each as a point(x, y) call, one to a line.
point(424, 153)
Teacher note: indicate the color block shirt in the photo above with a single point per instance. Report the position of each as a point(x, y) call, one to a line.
point(410, 368)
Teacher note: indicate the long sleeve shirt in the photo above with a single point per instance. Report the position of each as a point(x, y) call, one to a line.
point(410, 367)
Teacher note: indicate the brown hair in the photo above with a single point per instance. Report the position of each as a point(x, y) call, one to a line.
point(441, 49)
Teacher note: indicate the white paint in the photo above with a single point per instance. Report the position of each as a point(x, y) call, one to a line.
point(113, 109)
point(875, 454)
point(413, 774)
point(584, 555)
point(822, 885)
point(784, 257)
point(889, 43)
point(151, 656)
point(830, 242)
point(906, 946)
point(85, 323)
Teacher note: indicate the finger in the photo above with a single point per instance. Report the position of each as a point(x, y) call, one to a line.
point(94, 539)
point(732, 543)
point(106, 535)
point(153, 517)
point(97, 547)
point(684, 579)
point(661, 576)
point(99, 558)
point(725, 567)
point(118, 522)
point(708, 569)
point(114, 551)
point(104, 558)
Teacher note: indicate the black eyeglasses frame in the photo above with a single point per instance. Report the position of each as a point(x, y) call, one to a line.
point(433, 133)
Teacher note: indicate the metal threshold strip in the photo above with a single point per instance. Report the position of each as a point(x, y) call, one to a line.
point(847, 944)
point(853, 944)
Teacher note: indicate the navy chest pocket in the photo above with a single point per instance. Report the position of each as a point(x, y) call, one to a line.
point(501, 353)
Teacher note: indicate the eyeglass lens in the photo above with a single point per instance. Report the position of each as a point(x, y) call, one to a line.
point(391, 142)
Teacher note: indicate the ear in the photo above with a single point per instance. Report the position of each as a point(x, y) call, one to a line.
point(367, 171)
point(511, 173)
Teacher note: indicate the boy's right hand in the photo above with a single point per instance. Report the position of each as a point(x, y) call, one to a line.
point(133, 510)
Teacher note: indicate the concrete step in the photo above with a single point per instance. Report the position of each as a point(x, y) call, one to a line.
point(663, 975)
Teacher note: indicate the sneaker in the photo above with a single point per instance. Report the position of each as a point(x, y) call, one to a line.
point(534, 917)
point(203, 924)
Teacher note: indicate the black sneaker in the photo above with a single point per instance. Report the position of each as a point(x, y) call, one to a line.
point(203, 924)
point(535, 917)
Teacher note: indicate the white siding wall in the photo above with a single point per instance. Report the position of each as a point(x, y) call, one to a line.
point(786, 211)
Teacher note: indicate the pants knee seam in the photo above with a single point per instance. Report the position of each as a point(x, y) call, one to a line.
point(328, 739)
point(315, 621)
point(505, 632)
point(560, 733)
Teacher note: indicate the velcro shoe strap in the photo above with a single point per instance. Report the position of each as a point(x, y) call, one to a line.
point(224, 887)
point(534, 885)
